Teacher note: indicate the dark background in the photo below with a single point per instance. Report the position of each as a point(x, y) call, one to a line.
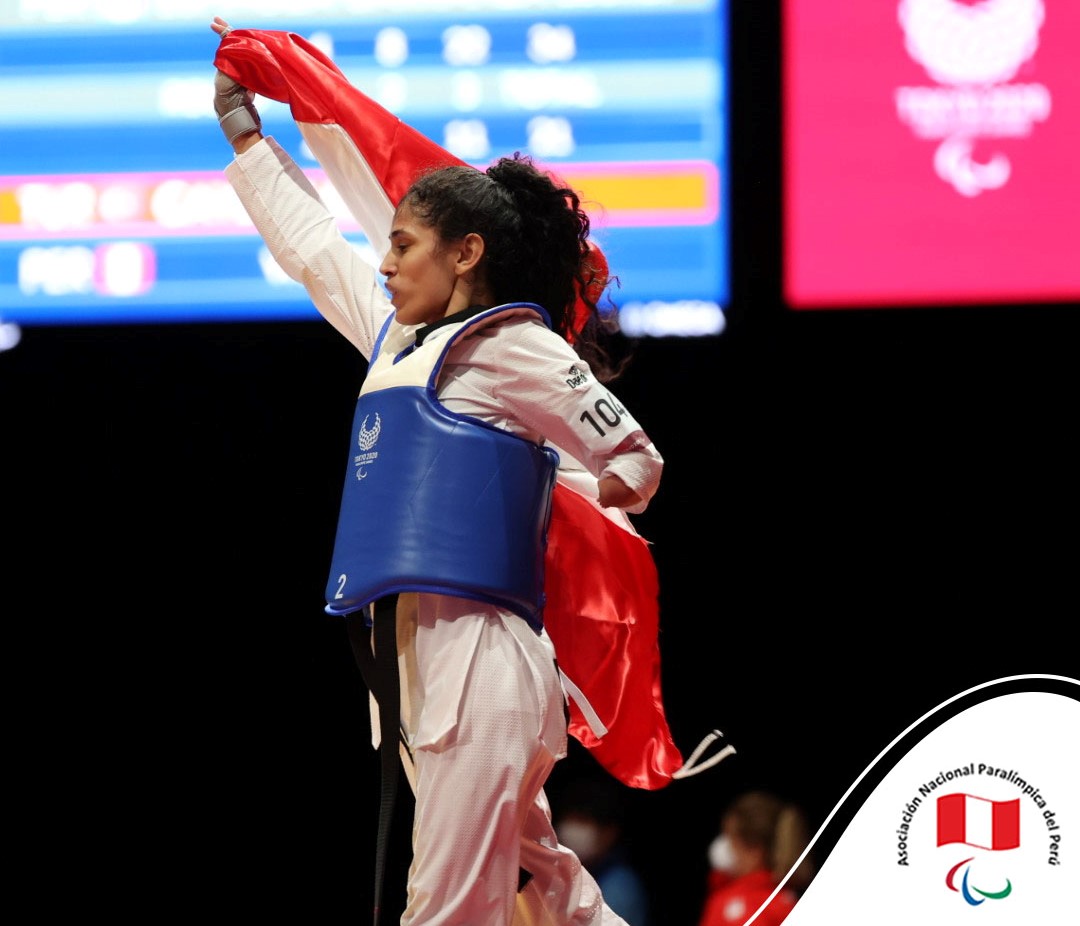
point(865, 512)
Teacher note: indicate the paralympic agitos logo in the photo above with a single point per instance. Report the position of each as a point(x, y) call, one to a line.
point(992, 826)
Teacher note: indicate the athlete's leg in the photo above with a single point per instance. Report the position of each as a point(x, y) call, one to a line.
point(479, 763)
point(561, 891)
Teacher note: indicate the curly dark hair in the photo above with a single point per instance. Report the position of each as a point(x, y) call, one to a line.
point(537, 249)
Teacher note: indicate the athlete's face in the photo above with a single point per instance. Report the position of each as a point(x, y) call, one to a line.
point(419, 269)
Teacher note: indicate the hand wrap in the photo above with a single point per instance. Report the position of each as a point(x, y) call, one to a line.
point(233, 104)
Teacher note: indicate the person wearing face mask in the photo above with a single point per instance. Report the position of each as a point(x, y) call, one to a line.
point(590, 820)
point(758, 849)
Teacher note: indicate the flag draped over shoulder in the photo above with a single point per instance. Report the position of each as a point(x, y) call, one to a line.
point(603, 616)
point(602, 610)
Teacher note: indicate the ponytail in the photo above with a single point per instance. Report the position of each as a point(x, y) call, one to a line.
point(537, 246)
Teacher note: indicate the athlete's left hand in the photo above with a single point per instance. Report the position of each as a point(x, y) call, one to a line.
point(614, 493)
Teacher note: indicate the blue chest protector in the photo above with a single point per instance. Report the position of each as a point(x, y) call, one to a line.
point(436, 501)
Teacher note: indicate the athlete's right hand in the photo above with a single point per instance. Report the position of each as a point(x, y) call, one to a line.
point(233, 104)
point(220, 26)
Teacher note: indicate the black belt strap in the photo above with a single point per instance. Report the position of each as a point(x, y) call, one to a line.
point(380, 672)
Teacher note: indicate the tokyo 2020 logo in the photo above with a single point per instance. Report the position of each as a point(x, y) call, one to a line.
point(974, 50)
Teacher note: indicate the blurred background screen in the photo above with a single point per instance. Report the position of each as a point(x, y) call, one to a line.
point(930, 152)
point(114, 208)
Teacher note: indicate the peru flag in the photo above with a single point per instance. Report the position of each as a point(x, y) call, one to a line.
point(604, 623)
point(369, 155)
point(602, 610)
point(976, 821)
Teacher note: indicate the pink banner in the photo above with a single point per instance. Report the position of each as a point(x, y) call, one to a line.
point(930, 152)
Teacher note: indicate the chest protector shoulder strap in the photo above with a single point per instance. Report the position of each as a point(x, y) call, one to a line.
point(435, 501)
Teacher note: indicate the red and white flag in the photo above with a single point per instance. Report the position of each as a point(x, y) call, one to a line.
point(976, 821)
point(602, 610)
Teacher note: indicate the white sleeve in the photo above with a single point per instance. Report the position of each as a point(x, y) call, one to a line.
point(304, 239)
point(552, 390)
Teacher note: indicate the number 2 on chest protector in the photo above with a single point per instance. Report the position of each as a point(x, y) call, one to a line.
point(608, 410)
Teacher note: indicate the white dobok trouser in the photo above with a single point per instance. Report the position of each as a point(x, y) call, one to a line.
point(484, 711)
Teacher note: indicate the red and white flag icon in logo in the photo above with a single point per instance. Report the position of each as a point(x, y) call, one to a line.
point(975, 821)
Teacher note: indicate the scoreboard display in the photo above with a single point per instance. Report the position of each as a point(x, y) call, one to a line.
point(113, 203)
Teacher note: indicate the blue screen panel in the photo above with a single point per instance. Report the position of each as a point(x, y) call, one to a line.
point(114, 207)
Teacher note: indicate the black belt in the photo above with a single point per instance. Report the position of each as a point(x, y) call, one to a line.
point(380, 672)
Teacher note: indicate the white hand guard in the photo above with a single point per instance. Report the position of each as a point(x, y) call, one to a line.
point(233, 104)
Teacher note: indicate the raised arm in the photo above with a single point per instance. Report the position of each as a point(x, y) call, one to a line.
point(298, 229)
point(235, 105)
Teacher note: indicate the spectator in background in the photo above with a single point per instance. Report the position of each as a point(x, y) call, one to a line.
point(760, 840)
point(589, 819)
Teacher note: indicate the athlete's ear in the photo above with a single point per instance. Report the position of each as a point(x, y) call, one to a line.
point(470, 253)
